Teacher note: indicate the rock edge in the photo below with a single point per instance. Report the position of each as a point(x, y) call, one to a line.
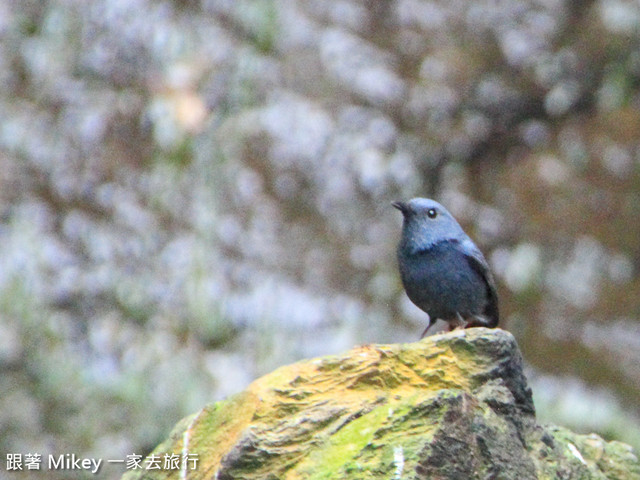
point(452, 406)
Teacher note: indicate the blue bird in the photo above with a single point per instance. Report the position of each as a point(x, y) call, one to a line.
point(442, 270)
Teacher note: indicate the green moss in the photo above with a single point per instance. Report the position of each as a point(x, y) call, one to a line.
point(346, 445)
point(590, 457)
point(376, 445)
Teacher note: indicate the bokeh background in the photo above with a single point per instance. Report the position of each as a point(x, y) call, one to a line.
point(193, 193)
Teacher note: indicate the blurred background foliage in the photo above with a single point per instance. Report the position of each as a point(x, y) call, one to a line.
point(193, 193)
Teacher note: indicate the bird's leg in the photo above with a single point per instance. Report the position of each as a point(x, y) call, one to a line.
point(426, 330)
point(459, 323)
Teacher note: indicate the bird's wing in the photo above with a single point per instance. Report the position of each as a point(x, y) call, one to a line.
point(479, 264)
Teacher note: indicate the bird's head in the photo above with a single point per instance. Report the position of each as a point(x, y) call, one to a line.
point(426, 223)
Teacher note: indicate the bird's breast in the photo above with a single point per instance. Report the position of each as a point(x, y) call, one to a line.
point(440, 280)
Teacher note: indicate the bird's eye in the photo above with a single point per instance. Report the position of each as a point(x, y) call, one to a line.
point(431, 213)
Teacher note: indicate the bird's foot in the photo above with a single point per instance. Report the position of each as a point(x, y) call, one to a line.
point(477, 321)
point(456, 326)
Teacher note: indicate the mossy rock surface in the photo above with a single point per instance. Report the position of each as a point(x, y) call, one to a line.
point(452, 406)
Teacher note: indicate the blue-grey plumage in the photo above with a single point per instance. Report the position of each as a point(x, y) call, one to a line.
point(442, 270)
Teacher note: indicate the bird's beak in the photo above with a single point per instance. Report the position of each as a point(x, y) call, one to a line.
point(400, 206)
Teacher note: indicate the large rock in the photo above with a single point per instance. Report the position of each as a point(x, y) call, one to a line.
point(452, 406)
